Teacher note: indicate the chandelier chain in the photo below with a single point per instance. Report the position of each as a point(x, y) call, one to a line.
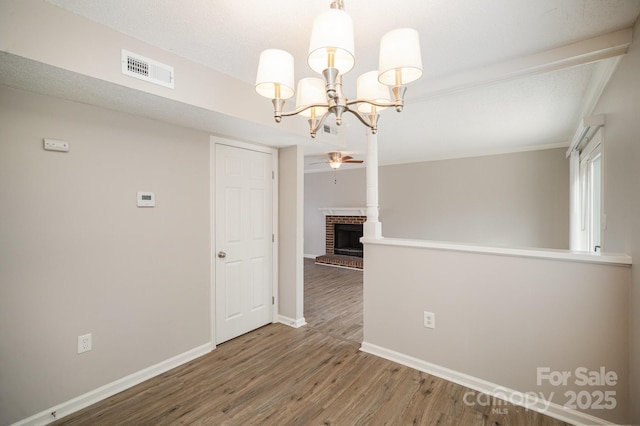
point(337, 4)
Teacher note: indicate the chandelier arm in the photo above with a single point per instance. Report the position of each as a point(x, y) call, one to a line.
point(362, 119)
point(315, 123)
point(367, 101)
point(302, 108)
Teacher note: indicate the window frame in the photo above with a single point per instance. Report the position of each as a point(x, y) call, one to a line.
point(586, 216)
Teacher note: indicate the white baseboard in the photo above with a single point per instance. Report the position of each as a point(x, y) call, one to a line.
point(515, 397)
point(103, 392)
point(295, 323)
point(311, 256)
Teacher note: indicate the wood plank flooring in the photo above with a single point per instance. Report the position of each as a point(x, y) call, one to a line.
point(333, 300)
point(314, 375)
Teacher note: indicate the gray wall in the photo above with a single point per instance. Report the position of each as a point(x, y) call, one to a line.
point(499, 318)
point(344, 188)
point(515, 200)
point(77, 256)
point(290, 230)
point(620, 103)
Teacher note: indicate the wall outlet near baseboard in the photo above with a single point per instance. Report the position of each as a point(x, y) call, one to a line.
point(429, 319)
point(84, 343)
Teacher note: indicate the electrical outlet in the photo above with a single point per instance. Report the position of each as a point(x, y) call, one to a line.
point(429, 319)
point(84, 343)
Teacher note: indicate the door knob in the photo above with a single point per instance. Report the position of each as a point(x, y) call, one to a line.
point(222, 254)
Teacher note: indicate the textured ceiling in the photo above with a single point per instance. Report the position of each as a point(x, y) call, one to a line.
point(457, 36)
point(228, 35)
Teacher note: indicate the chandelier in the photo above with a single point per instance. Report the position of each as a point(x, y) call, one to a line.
point(331, 53)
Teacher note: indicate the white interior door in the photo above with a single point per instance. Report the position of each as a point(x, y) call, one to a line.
point(243, 242)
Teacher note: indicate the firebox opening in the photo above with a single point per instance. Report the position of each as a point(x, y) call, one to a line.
point(346, 239)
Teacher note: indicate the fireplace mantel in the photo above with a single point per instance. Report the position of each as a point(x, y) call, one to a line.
point(344, 211)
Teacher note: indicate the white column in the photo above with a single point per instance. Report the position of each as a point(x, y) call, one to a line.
point(372, 227)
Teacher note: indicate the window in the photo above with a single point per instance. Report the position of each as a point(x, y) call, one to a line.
point(587, 207)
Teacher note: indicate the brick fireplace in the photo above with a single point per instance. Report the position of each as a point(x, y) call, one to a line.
point(342, 241)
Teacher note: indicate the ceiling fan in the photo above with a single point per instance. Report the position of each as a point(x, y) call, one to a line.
point(336, 159)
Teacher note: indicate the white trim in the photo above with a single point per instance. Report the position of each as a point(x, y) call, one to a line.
point(323, 169)
point(580, 162)
point(479, 153)
point(467, 154)
point(562, 255)
point(582, 52)
point(295, 323)
point(110, 389)
point(597, 84)
point(274, 228)
point(575, 231)
point(585, 132)
point(212, 239)
point(344, 211)
point(311, 256)
point(516, 397)
point(244, 145)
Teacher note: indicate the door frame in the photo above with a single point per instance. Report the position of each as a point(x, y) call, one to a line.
point(218, 140)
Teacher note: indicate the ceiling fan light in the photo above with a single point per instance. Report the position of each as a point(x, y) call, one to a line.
point(332, 43)
point(311, 90)
point(275, 74)
point(334, 164)
point(369, 88)
point(400, 59)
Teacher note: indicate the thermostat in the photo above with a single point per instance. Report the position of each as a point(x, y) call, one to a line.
point(146, 199)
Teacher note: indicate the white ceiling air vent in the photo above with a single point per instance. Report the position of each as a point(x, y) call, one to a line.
point(329, 129)
point(146, 69)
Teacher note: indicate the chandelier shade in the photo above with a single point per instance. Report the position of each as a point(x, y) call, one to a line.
point(311, 91)
point(400, 60)
point(331, 44)
point(275, 74)
point(368, 87)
